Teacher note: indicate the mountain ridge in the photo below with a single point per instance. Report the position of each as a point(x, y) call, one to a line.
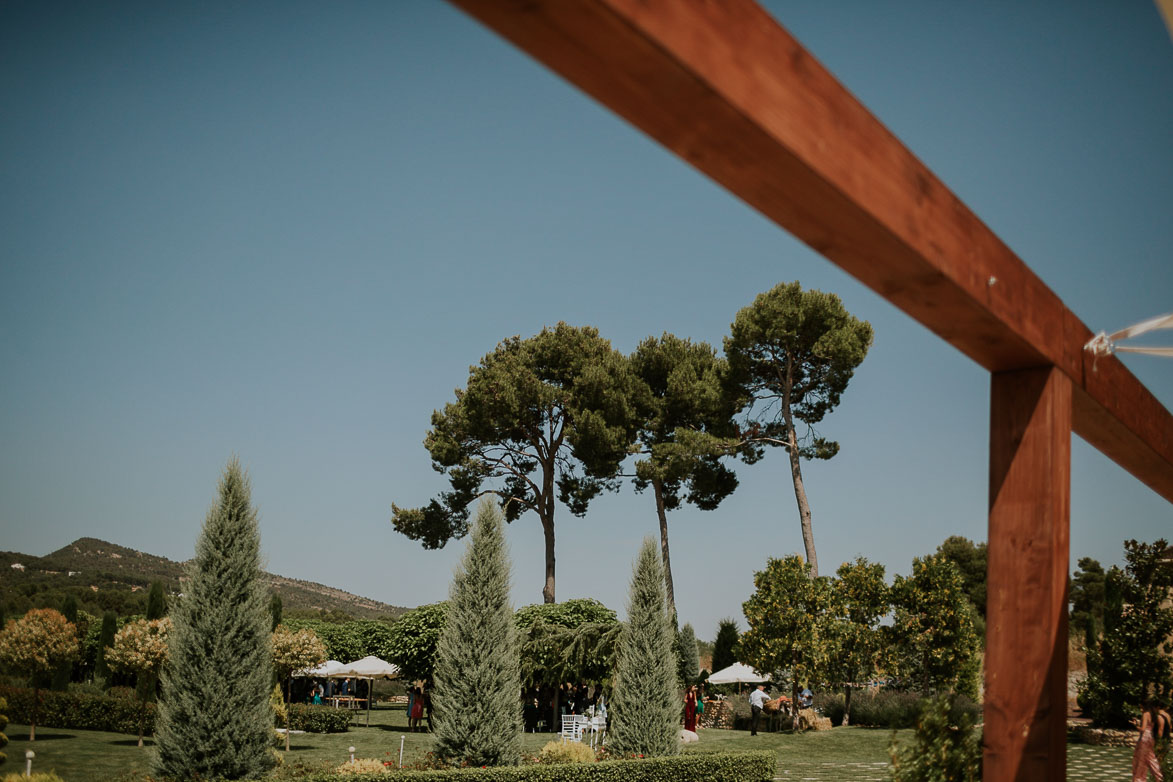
point(101, 565)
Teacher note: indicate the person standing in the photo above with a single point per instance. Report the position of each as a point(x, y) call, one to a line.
point(690, 708)
point(757, 699)
point(417, 709)
point(1154, 725)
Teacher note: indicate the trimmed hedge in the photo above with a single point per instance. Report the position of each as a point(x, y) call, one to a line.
point(896, 709)
point(699, 767)
point(317, 719)
point(80, 711)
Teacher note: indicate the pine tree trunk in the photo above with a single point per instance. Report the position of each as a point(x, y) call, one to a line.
point(804, 508)
point(548, 530)
point(846, 705)
point(658, 486)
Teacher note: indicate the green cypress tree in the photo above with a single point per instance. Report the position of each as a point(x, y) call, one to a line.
point(478, 677)
point(105, 641)
point(646, 704)
point(688, 658)
point(725, 644)
point(156, 601)
point(214, 716)
point(275, 609)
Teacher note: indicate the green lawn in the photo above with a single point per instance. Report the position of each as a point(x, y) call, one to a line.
point(843, 754)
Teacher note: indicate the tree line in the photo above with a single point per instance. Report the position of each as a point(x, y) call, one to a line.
point(558, 416)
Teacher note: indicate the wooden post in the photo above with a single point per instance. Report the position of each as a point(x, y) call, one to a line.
point(1029, 548)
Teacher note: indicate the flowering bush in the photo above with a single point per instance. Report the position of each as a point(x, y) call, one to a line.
point(296, 650)
point(140, 647)
point(362, 766)
point(566, 752)
point(37, 642)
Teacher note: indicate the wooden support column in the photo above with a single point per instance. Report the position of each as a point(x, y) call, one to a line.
point(1029, 548)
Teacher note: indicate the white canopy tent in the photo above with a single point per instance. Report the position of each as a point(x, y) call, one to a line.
point(738, 673)
point(369, 668)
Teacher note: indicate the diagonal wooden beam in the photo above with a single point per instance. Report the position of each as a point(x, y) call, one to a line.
point(730, 91)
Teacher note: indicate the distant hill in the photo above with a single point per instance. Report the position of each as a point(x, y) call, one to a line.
point(105, 576)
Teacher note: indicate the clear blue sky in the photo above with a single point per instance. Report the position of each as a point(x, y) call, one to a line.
point(285, 230)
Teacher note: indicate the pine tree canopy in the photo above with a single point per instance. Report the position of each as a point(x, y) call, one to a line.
point(214, 715)
point(545, 418)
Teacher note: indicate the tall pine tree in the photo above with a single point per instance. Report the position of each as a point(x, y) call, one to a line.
point(646, 704)
point(689, 661)
point(478, 677)
point(156, 601)
point(725, 644)
point(214, 717)
point(105, 641)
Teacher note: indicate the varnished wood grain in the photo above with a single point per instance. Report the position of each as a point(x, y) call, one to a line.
point(1026, 598)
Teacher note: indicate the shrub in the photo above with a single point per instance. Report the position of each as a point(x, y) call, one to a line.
point(80, 711)
point(318, 719)
point(362, 766)
point(566, 752)
point(889, 708)
point(36, 777)
point(700, 767)
point(942, 748)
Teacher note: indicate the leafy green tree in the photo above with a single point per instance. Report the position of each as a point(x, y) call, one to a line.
point(971, 560)
point(156, 601)
point(34, 646)
point(791, 625)
point(220, 651)
point(688, 667)
point(1133, 659)
point(1087, 598)
point(792, 353)
point(348, 641)
point(295, 651)
point(105, 641)
point(140, 648)
point(478, 714)
point(687, 428)
point(934, 638)
point(413, 640)
point(725, 644)
point(542, 419)
point(646, 704)
point(860, 598)
point(570, 613)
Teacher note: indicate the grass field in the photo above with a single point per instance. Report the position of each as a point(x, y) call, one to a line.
point(843, 754)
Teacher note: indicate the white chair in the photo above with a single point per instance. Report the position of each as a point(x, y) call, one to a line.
point(598, 727)
point(572, 727)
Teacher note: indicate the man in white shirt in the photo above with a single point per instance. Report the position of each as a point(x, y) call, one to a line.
point(757, 699)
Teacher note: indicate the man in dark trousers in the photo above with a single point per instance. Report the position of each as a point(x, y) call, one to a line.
point(757, 699)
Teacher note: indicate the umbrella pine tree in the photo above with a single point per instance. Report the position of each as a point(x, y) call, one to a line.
point(214, 715)
point(478, 676)
point(646, 705)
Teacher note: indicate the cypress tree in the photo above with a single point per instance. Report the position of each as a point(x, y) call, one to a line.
point(646, 705)
point(214, 719)
point(275, 608)
point(156, 601)
point(105, 641)
point(478, 678)
point(725, 644)
point(689, 660)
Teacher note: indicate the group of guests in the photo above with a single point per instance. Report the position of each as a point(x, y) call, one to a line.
point(319, 693)
point(694, 705)
point(419, 708)
point(758, 699)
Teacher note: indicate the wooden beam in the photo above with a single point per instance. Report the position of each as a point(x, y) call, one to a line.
point(1026, 600)
point(730, 91)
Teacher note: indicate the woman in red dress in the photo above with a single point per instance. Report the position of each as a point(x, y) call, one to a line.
point(690, 708)
point(417, 709)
